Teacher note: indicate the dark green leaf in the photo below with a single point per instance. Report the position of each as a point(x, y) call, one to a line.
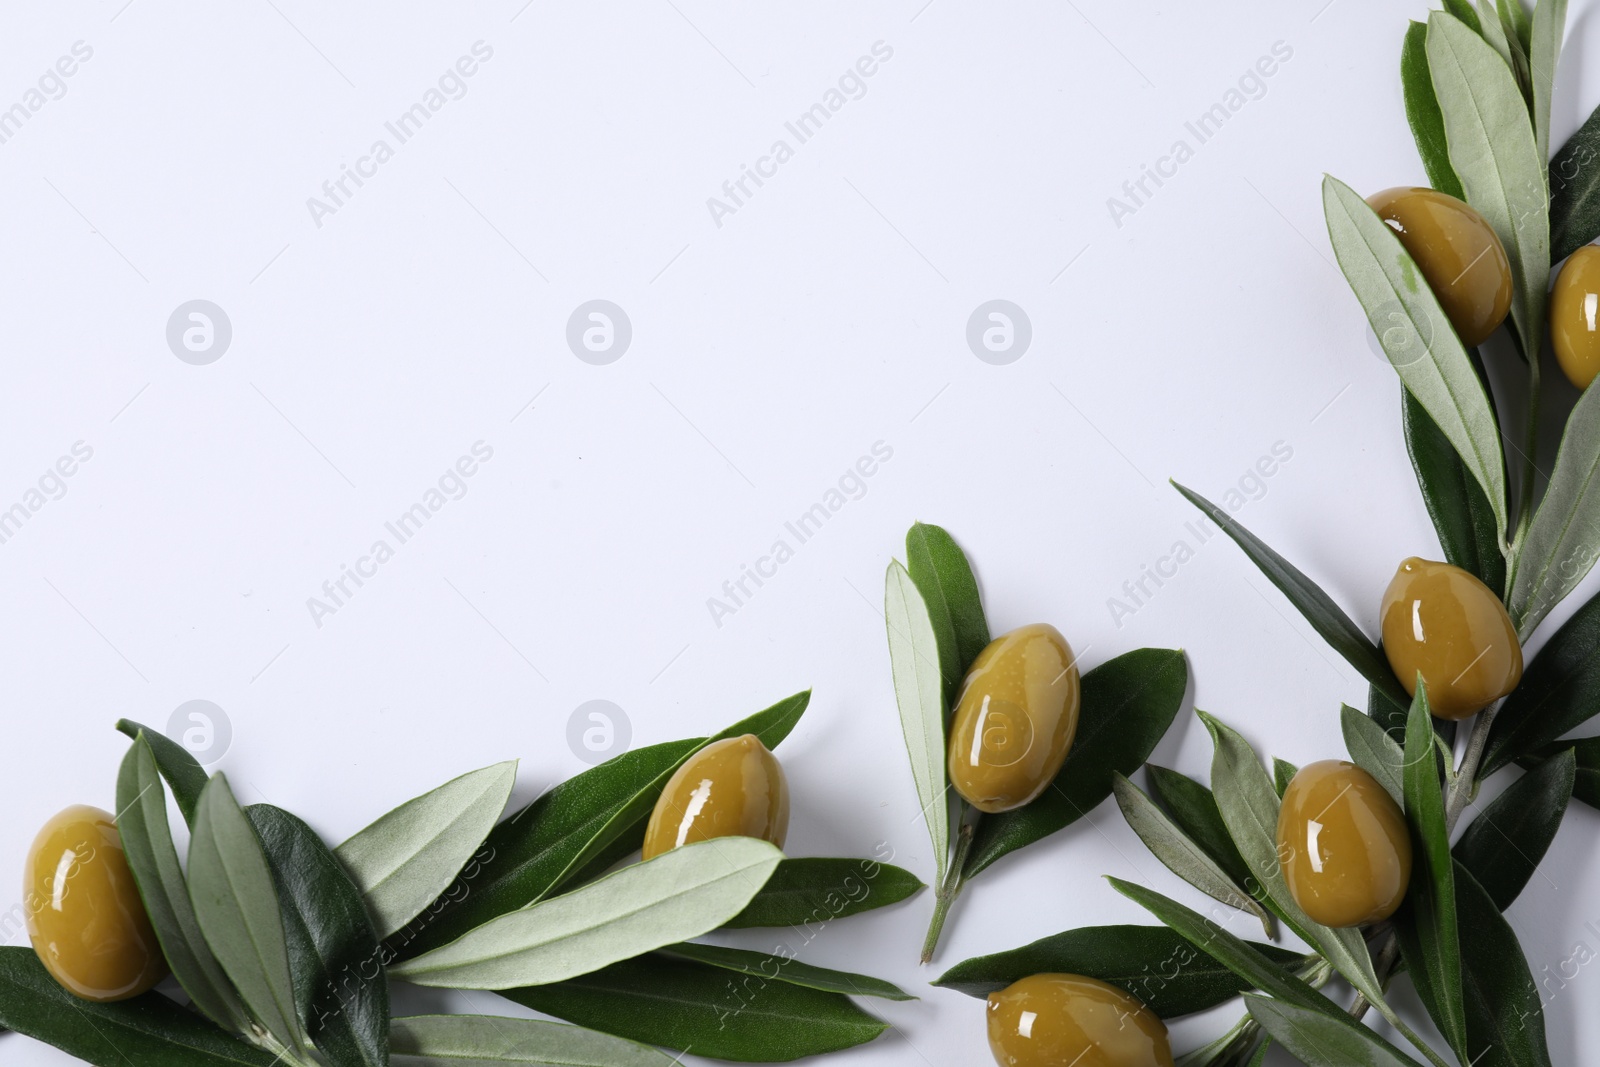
point(1326, 617)
point(784, 967)
point(1283, 773)
point(1153, 963)
point(1559, 691)
point(1422, 111)
point(1323, 1040)
point(683, 1004)
point(1505, 1018)
point(1505, 843)
point(493, 1041)
point(1374, 751)
point(816, 889)
point(1586, 784)
point(1461, 514)
point(1386, 713)
point(339, 982)
point(1127, 705)
point(1463, 10)
point(147, 1031)
point(1194, 809)
point(177, 764)
point(1575, 191)
point(1514, 17)
point(944, 578)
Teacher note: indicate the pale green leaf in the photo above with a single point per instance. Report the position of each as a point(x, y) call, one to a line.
point(1374, 751)
point(1560, 545)
point(1549, 23)
point(918, 690)
point(494, 1041)
point(1323, 1041)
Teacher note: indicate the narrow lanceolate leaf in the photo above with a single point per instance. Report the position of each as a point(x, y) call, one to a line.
point(1321, 1040)
point(408, 857)
point(1283, 773)
point(1153, 963)
point(813, 890)
point(1428, 928)
point(1575, 191)
point(1462, 516)
point(919, 693)
point(237, 906)
point(944, 578)
point(147, 1031)
point(1325, 617)
point(1415, 333)
point(177, 765)
point(1493, 151)
point(683, 1004)
point(1559, 548)
point(147, 840)
point(1493, 30)
point(1194, 808)
point(1181, 855)
point(339, 982)
point(1463, 10)
point(1374, 751)
point(673, 897)
point(1560, 691)
point(1126, 706)
point(1505, 1016)
point(493, 1041)
point(1544, 48)
point(1422, 112)
point(1586, 784)
point(1503, 846)
point(785, 968)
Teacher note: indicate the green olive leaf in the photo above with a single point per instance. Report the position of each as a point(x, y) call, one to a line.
point(785, 968)
point(1180, 854)
point(1463, 10)
point(1504, 844)
point(1586, 781)
point(816, 889)
point(1505, 1016)
point(1493, 151)
point(943, 576)
point(1413, 329)
point(147, 1030)
point(1422, 112)
point(177, 765)
point(1283, 773)
point(919, 693)
point(1560, 546)
point(1321, 1040)
point(483, 1040)
point(1462, 516)
point(1194, 809)
point(1126, 706)
point(1153, 963)
point(1374, 751)
point(1544, 49)
point(1560, 691)
point(404, 860)
point(1575, 191)
point(1492, 28)
point(684, 1004)
point(237, 908)
point(675, 896)
point(153, 858)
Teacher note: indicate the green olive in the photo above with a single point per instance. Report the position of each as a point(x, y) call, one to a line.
point(730, 788)
point(1051, 1020)
point(1575, 316)
point(1343, 845)
point(1458, 253)
point(1015, 719)
point(85, 917)
point(1445, 623)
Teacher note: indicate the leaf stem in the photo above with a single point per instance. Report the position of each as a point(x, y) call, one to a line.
point(954, 880)
point(1465, 786)
point(1530, 449)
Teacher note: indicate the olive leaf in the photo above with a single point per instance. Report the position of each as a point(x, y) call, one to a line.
point(1504, 844)
point(1544, 48)
point(1492, 28)
point(1493, 151)
point(1181, 855)
point(1559, 691)
point(146, 1030)
point(1463, 10)
point(1153, 963)
point(1575, 191)
point(1321, 1040)
point(1586, 782)
point(919, 693)
point(237, 908)
point(1126, 706)
point(1505, 1016)
point(942, 575)
point(153, 858)
point(1374, 751)
point(1283, 773)
point(675, 896)
point(1462, 516)
point(340, 988)
point(177, 765)
point(1560, 546)
point(1326, 617)
point(1194, 809)
point(785, 968)
point(1422, 112)
point(683, 1004)
point(474, 1040)
point(816, 889)
point(1413, 329)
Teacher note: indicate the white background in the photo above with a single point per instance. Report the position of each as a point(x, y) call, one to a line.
point(828, 313)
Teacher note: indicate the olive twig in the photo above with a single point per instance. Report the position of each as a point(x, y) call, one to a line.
point(946, 894)
point(1465, 786)
point(1530, 441)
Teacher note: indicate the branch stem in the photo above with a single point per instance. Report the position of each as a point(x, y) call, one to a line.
point(954, 880)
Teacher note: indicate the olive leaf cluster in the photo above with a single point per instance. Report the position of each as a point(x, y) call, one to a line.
point(937, 627)
point(287, 948)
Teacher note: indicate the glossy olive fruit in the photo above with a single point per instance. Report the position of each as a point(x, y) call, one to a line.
point(85, 917)
point(1343, 845)
point(1458, 253)
point(1444, 622)
point(1050, 1020)
point(1575, 316)
point(730, 788)
point(1015, 719)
